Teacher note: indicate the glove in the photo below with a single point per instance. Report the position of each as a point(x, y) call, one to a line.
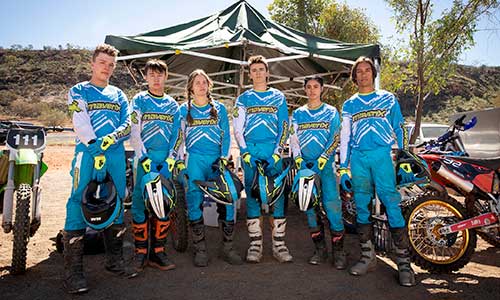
point(298, 162)
point(170, 164)
point(322, 163)
point(273, 160)
point(345, 180)
point(94, 148)
point(146, 164)
point(104, 142)
point(406, 173)
point(100, 168)
point(247, 158)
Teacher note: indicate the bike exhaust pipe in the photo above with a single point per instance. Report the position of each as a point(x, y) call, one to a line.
point(453, 178)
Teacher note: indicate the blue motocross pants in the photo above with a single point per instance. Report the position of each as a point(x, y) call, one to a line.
point(199, 167)
point(138, 205)
point(329, 197)
point(374, 169)
point(81, 172)
point(262, 152)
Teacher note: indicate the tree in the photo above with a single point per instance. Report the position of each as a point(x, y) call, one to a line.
point(299, 14)
point(325, 18)
point(435, 45)
point(329, 19)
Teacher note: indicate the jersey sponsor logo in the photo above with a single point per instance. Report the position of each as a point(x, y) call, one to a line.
point(103, 106)
point(203, 122)
point(376, 113)
point(405, 136)
point(124, 132)
point(262, 110)
point(73, 107)
point(314, 125)
point(178, 142)
point(333, 146)
point(284, 135)
point(158, 117)
point(133, 117)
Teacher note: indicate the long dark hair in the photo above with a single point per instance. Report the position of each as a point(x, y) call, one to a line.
point(189, 93)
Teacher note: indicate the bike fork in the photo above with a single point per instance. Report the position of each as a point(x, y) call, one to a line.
point(35, 201)
point(8, 199)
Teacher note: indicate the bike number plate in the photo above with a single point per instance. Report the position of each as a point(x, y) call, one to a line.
point(26, 138)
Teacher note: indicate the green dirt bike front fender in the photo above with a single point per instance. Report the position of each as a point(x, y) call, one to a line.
point(26, 162)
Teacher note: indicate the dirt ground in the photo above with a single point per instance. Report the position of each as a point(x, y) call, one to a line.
point(480, 279)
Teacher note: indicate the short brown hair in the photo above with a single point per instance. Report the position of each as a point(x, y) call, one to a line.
point(106, 49)
point(258, 59)
point(362, 59)
point(156, 65)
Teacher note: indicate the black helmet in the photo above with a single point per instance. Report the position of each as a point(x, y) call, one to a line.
point(100, 203)
point(306, 189)
point(223, 187)
point(267, 189)
point(410, 168)
point(159, 194)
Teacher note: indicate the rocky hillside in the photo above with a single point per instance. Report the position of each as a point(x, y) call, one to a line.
point(34, 83)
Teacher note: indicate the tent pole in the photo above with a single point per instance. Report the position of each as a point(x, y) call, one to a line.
point(242, 71)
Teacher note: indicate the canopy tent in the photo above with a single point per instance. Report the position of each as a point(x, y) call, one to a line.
point(221, 44)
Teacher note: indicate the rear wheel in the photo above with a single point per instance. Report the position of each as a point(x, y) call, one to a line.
point(430, 249)
point(491, 235)
point(21, 229)
point(179, 229)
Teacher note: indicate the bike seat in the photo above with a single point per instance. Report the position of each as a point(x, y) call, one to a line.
point(490, 163)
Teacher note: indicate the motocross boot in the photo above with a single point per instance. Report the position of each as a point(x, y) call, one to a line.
point(158, 257)
point(74, 279)
point(339, 256)
point(199, 243)
point(113, 242)
point(228, 253)
point(406, 274)
point(368, 260)
point(254, 252)
point(320, 254)
point(280, 251)
point(141, 233)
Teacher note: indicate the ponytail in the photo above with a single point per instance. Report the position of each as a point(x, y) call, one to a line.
point(189, 117)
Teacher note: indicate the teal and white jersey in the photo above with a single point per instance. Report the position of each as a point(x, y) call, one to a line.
point(155, 124)
point(261, 118)
point(315, 132)
point(370, 121)
point(206, 135)
point(97, 112)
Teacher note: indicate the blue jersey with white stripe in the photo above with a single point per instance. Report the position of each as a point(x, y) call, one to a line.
point(206, 135)
point(370, 121)
point(97, 112)
point(155, 124)
point(315, 132)
point(261, 118)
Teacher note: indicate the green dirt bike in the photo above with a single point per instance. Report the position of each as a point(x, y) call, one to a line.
point(23, 167)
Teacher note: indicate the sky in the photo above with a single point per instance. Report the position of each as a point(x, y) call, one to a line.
point(86, 23)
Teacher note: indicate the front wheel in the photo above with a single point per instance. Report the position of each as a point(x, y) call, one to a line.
point(179, 229)
point(21, 229)
point(431, 250)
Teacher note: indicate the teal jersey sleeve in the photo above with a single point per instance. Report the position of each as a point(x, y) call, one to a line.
point(226, 136)
point(398, 125)
point(282, 127)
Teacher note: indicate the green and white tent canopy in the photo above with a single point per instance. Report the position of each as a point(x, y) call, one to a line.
point(221, 44)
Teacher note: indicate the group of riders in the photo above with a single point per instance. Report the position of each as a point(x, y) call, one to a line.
point(192, 138)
